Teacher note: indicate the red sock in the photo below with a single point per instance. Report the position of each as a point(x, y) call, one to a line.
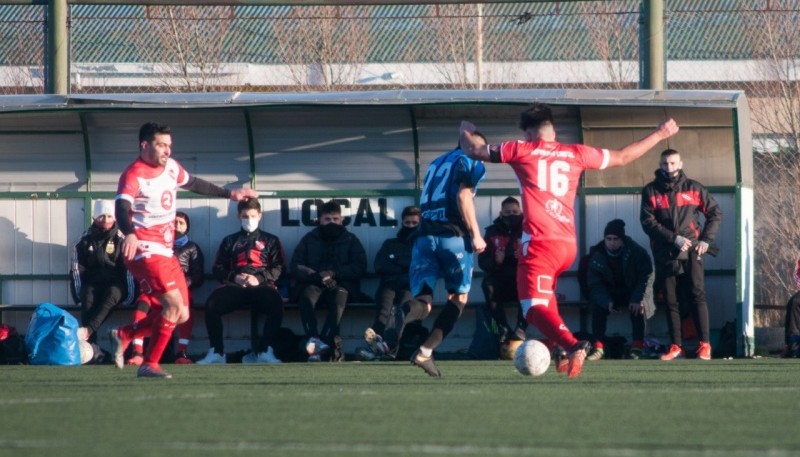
point(161, 334)
point(549, 322)
point(185, 334)
point(139, 315)
point(637, 344)
point(599, 345)
point(143, 328)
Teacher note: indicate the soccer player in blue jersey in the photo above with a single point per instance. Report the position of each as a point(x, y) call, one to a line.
point(447, 237)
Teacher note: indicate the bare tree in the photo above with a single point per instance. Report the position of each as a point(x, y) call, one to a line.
point(187, 46)
point(323, 47)
point(775, 107)
point(612, 37)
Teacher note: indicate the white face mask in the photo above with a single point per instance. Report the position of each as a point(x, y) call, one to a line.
point(250, 225)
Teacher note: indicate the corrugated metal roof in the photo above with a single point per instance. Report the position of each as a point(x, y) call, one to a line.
point(583, 97)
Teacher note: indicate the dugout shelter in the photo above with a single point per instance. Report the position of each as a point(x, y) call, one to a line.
point(369, 150)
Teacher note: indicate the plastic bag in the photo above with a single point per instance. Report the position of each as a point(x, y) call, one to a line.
point(52, 337)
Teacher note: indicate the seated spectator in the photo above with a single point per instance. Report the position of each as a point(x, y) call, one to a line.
point(99, 280)
point(792, 325)
point(391, 264)
point(192, 263)
point(499, 263)
point(619, 278)
point(248, 264)
point(327, 266)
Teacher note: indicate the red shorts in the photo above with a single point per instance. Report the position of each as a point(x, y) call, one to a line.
point(538, 270)
point(157, 275)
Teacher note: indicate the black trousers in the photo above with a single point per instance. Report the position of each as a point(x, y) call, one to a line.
point(229, 298)
point(600, 315)
point(97, 302)
point(333, 299)
point(792, 317)
point(688, 286)
point(389, 294)
point(498, 291)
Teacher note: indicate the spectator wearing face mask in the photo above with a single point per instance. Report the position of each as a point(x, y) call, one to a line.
point(99, 280)
point(392, 263)
point(248, 264)
point(619, 279)
point(327, 266)
point(499, 264)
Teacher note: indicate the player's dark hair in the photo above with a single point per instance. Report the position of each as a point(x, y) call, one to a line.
point(250, 203)
point(410, 211)
point(535, 116)
point(668, 152)
point(510, 200)
point(330, 207)
point(475, 133)
point(149, 130)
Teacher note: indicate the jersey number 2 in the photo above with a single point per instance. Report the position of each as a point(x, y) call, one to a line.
point(438, 193)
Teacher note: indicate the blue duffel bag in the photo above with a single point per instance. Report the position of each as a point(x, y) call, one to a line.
point(52, 337)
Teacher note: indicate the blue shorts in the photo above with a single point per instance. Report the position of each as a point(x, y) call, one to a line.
point(449, 258)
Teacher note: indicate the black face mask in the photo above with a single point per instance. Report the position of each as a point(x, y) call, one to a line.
point(405, 232)
point(331, 231)
point(663, 175)
point(513, 221)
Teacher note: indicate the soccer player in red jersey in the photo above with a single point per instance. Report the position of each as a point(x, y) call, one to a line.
point(549, 174)
point(145, 212)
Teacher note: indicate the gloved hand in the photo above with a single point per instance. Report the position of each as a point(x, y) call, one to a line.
point(681, 243)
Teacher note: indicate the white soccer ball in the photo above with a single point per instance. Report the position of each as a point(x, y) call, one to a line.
point(532, 358)
point(87, 351)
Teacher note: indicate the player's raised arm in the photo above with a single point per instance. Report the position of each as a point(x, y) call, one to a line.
point(472, 145)
point(203, 187)
point(637, 149)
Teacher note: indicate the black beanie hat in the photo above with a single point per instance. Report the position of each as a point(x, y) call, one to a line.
point(615, 227)
point(183, 216)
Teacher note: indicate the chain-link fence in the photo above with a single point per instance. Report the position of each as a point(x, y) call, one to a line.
point(747, 45)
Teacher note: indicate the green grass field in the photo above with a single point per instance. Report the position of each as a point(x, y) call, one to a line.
point(616, 408)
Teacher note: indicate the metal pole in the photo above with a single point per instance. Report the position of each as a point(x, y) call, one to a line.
point(57, 63)
point(479, 49)
point(655, 45)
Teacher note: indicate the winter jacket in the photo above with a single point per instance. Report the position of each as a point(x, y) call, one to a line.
point(500, 236)
point(97, 259)
point(343, 256)
point(192, 263)
point(257, 253)
point(393, 261)
point(637, 271)
point(671, 207)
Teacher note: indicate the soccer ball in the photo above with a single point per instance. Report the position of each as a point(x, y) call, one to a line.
point(532, 358)
point(509, 348)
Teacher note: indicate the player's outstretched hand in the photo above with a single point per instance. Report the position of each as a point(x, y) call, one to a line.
point(238, 195)
point(668, 128)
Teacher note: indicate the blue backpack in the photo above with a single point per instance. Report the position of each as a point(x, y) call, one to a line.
point(52, 337)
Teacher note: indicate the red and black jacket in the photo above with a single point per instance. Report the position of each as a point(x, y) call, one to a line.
point(258, 253)
point(672, 207)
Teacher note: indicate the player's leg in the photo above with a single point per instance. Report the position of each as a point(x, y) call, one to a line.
point(423, 274)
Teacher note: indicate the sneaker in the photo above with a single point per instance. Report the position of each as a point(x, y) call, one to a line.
point(152, 371)
point(316, 346)
point(315, 358)
point(674, 352)
point(213, 358)
point(704, 351)
point(137, 360)
point(376, 343)
point(183, 359)
point(119, 344)
point(596, 354)
point(265, 358)
point(426, 363)
point(576, 358)
point(636, 353)
point(562, 362)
